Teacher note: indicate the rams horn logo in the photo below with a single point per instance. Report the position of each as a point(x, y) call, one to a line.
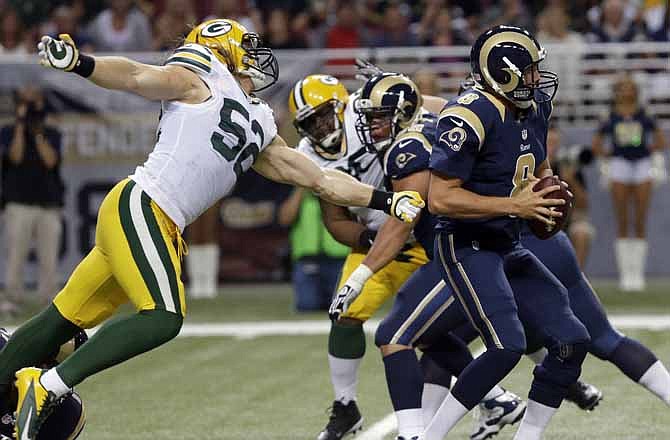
point(216, 29)
point(454, 138)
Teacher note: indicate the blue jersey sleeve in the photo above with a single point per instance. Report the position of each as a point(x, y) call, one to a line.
point(460, 135)
point(408, 154)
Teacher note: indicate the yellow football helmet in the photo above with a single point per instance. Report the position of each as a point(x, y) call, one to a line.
point(239, 49)
point(317, 104)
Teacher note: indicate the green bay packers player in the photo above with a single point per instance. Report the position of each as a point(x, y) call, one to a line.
point(324, 116)
point(211, 130)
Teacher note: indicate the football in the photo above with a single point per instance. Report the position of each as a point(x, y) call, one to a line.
point(540, 229)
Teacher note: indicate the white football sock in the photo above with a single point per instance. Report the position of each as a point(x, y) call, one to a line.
point(194, 263)
point(446, 417)
point(431, 399)
point(657, 380)
point(410, 422)
point(210, 270)
point(535, 421)
point(496, 391)
point(344, 376)
point(538, 356)
point(51, 381)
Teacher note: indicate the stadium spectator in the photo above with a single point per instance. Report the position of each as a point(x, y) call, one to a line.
point(612, 23)
point(240, 11)
point(633, 136)
point(33, 193)
point(317, 257)
point(395, 28)
point(120, 28)
point(568, 161)
point(345, 32)
point(278, 33)
point(508, 12)
point(12, 38)
point(662, 32)
point(552, 25)
point(64, 20)
point(172, 24)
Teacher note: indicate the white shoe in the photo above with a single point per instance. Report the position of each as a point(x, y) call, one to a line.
point(492, 415)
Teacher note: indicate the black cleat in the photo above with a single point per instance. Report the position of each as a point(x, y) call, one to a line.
point(344, 420)
point(584, 395)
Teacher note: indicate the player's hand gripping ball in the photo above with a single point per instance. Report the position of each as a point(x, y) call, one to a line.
point(541, 229)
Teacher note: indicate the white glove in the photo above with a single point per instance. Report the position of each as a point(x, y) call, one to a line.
point(406, 205)
point(60, 54)
point(349, 292)
point(366, 70)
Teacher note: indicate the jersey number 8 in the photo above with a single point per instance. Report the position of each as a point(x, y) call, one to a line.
point(242, 151)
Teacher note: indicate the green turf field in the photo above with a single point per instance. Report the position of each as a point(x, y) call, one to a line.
point(277, 387)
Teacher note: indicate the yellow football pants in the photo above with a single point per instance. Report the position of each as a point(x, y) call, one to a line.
point(136, 257)
point(383, 284)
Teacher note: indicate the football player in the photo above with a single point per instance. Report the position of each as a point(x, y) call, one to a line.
point(68, 419)
point(212, 129)
point(383, 100)
point(489, 154)
point(324, 116)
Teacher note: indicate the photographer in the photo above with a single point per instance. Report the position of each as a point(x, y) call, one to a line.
point(569, 163)
point(32, 193)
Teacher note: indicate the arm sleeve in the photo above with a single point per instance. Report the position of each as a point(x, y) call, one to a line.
point(457, 145)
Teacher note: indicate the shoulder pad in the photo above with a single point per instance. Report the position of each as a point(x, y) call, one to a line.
point(409, 154)
point(478, 109)
point(194, 57)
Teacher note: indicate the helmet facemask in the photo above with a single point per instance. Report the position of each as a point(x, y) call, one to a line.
point(323, 127)
point(260, 63)
point(377, 127)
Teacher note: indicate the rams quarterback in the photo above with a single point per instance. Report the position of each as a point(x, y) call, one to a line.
point(324, 115)
point(212, 129)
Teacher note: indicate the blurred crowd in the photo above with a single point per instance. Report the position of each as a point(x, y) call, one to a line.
point(154, 25)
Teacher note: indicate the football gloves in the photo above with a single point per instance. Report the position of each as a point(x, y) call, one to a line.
point(349, 292)
point(60, 54)
point(406, 205)
point(366, 70)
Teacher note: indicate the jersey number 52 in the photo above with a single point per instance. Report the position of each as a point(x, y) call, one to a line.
point(242, 151)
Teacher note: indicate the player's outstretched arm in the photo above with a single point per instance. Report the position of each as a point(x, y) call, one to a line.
point(280, 163)
point(119, 73)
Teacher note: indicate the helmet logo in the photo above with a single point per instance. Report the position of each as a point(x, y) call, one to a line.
point(328, 80)
point(454, 138)
point(216, 29)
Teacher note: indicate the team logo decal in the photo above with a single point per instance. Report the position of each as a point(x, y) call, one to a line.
point(403, 159)
point(328, 80)
point(216, 29)
point(454, 138)
point(468, 99)
point(524, 134)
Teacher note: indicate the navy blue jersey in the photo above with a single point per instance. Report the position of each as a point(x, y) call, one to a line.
point(482, 143)
point(410, 153)
point(630, 136)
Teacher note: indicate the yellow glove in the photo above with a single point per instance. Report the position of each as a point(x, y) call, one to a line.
point(60, 54)
point(406, 205)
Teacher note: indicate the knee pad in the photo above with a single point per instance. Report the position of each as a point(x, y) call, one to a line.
point(346, 341)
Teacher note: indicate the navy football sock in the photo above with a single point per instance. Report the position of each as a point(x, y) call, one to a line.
point(632, 358)
point(483, 374)
point(404, 379)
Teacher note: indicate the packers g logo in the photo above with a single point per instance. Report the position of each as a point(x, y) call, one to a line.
point(454, 138)
point(328, 80)
point(468, 99)
point(216, 29)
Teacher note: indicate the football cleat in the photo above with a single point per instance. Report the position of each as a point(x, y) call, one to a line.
point(344, 420)
point(35, 403)
point(494, 414)
point(584, 395)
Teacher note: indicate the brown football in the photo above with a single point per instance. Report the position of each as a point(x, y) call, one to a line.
point(540, 229)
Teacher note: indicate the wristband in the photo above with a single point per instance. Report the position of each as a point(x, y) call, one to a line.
point(366, 238)
point(381, 200)
point(359, 276)
point(84, 65)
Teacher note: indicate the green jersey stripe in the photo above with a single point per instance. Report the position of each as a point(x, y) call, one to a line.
point(194, 52)
point(189, 63)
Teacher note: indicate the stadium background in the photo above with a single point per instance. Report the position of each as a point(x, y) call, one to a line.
point(106, 134)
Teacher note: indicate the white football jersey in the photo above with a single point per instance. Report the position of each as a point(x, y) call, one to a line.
point(357, 162)
point(201, 149)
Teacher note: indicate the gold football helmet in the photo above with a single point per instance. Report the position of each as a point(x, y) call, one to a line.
point(317, 104)
point(239, 49)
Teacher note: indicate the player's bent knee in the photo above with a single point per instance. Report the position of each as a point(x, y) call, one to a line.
point(167, 325)
point(603, 346)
